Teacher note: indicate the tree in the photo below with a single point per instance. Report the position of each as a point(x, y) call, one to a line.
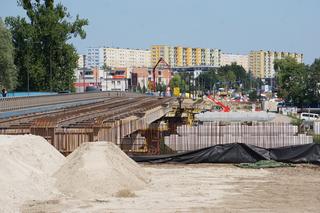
point(177, 81)
point(139, 89)
point(43, 54)
point(292, 78)
point(227, 76)
point(314, 81)
point(144, 89)
point(8, 73)
point(253, 95)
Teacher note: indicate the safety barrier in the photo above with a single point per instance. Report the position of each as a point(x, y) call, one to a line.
point(16, 103)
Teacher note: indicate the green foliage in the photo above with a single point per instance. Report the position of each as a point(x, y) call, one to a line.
point(316, 138)
point(42, 51)
point(144, 89)
point(139, 89)
point(161, 87)
point(177, 81)
point(296, 121)
point(8, 73)
point(253, 95)
point(292, 78)
point(314, 82)
point(229, 76)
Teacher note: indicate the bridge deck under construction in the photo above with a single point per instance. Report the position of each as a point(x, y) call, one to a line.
point(66, 121)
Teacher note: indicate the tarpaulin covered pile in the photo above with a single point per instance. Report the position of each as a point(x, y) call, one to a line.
point(240, 153)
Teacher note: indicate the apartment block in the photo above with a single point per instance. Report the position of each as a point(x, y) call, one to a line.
point(178, 56)
point(118, 57)
point(261, 63)
point(241, 60)
point(81, 61)
point(95, 57)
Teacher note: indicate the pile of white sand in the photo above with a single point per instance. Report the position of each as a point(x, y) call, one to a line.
point(26, 165)
point(99, 170)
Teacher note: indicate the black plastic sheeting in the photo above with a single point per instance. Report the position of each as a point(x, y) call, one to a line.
point(240, 153)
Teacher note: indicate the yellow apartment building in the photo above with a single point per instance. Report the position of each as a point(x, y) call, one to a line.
point(178, 56)
point(261, 63)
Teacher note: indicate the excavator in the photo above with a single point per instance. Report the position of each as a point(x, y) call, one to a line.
point(224, 107)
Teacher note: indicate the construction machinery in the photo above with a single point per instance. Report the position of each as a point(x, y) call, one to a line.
point(224, 107)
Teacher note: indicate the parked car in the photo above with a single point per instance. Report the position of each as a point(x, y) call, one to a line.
point(309, 116)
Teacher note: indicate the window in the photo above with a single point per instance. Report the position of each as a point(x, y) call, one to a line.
point(118, 82)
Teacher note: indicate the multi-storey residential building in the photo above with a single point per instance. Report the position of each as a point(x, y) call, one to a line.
point(81, 61)
point(241, 60)
point(261, 63)
point(95, 57)
point(178, 56)
point(118, 57)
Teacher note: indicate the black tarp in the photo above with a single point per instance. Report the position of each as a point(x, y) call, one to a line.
point(240, 153)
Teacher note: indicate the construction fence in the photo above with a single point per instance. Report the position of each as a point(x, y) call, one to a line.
point(266, 135)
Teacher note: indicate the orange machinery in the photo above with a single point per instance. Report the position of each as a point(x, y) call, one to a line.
point(224, 107)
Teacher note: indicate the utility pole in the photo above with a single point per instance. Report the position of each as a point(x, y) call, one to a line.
point(50, 69)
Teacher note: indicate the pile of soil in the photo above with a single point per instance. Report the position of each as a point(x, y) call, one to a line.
point(99, 170)
point(26, 165)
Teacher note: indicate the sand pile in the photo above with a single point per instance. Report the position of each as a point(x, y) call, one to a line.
point(26, 164)
point(99, 170)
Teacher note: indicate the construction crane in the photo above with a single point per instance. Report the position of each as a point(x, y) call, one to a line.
point(154, 72)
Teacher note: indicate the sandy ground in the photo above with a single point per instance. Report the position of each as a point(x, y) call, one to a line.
point(206, 188)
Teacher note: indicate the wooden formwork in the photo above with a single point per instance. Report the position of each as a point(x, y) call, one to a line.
point(67, 140)
point(267, 135)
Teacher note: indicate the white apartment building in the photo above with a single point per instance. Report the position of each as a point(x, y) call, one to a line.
point(241, 60)
point(118, 57)
point(81, 61)
point(95, 57)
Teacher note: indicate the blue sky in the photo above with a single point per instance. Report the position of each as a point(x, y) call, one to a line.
point(234, 26)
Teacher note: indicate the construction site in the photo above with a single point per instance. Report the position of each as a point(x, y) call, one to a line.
point(125, 152)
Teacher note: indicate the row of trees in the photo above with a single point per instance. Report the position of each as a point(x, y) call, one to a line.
point(298, 83)
point(229, 76)
point(44, 59)
point(8, 71)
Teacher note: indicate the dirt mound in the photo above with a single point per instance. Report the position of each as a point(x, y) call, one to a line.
point(98, 170)
point(26, 164)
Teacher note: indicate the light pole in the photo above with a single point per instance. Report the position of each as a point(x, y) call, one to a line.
point(28, 75)
point(50, 69)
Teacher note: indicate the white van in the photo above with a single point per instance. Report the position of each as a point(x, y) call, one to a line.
point(309, 116)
